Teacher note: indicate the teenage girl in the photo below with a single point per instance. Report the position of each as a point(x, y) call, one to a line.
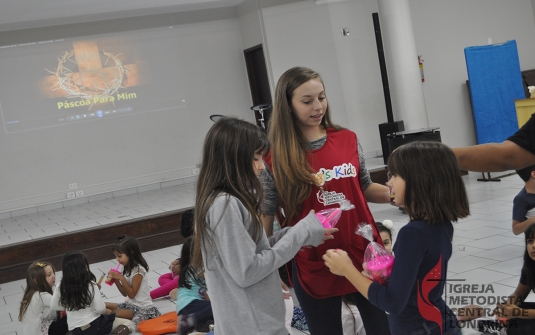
point(313, 164)
point(79, 295)
point(132, 283)
point(35, 313)
point(521, 314)
point(426, 182)
point(193, 305)
point(240, 263)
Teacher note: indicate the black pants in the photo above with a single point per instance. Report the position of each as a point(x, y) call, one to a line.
point(59, 327)
point(522, 326)
point(100, 326)
point(324, 316)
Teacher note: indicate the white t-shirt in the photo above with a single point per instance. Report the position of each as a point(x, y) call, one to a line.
point(38, 312)
point(142, 298)
point(84, 316)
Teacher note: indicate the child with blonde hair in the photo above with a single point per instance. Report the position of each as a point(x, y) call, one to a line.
point(35, 313)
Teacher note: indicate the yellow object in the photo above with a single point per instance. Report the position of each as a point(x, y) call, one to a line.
point(524, 109)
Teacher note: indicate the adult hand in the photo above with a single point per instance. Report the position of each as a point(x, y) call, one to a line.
point(338, 261)
point(508, 311)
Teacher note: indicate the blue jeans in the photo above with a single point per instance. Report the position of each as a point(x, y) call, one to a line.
point(324, 316)
point(100, 326)
point(201, 310)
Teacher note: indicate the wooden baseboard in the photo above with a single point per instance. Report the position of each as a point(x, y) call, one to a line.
point(153, 232)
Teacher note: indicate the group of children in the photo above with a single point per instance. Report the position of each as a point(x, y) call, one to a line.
point(75, 303)
point(313, 164)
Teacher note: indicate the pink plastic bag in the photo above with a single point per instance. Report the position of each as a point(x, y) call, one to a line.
point(378, 262)
point(329, 217)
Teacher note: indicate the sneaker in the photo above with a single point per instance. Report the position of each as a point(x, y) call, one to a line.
point(204, 327)
point(491, 327)
point(173, 293)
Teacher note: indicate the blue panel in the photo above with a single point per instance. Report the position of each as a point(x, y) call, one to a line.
point(495, 83)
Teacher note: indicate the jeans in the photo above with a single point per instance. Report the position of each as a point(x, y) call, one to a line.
point(429, 330)
point(200, 310)
point(100, 326)
point(522, 326)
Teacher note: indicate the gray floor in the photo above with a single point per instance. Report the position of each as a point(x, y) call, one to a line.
point(486, 252)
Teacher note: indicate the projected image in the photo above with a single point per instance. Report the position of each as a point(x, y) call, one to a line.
point(81, 80)
point(89, 74)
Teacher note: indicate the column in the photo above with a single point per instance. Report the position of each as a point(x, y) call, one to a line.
point(406, 89)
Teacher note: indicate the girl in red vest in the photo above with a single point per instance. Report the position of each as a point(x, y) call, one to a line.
point(314, 164)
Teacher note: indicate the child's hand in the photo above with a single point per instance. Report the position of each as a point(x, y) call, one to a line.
point(507, 311)
point(365, 272)
point(285, 291)
point(338, 261)
point(114, 275)
point(327, 234)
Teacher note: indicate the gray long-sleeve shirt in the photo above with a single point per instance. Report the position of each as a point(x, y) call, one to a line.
point(241, 274)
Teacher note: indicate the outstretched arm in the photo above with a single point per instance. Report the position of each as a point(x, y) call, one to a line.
point(520, 226)
point(377, 193)
point(493, 157)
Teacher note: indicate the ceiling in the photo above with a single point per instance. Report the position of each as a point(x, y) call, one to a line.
point(24, 14)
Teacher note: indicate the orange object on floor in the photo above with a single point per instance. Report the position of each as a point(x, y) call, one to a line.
point(163, 324)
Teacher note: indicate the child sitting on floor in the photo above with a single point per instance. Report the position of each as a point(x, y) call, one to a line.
point(133, 283)
point(35, 313)
point(524, 202)
point(193, 305)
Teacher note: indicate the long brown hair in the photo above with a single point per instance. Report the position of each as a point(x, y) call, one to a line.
point(130, 247)
point(291, 169)
point(529, 264)
point(227, 167)
point(35, 282)
point(434, 189)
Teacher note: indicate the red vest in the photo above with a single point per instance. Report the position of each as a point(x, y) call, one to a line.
point(338, 166)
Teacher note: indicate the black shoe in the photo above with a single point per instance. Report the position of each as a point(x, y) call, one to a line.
point(204, 327)
point(491, 327)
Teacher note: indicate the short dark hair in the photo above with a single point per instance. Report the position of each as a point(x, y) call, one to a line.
point(434, 189)
point(525, 173)
point(187, 224)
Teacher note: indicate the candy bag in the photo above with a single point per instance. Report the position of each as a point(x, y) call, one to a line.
point(378, 261)
point(329, 217)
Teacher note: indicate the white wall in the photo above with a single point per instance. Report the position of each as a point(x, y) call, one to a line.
point(442, 30)
point(358, 64)
point(299, 34)
point(250, 25)
point(307, 34)
point(38, 166)
point(122, 152)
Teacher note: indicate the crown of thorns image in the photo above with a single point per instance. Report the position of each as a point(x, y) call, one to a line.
point(71, 81)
